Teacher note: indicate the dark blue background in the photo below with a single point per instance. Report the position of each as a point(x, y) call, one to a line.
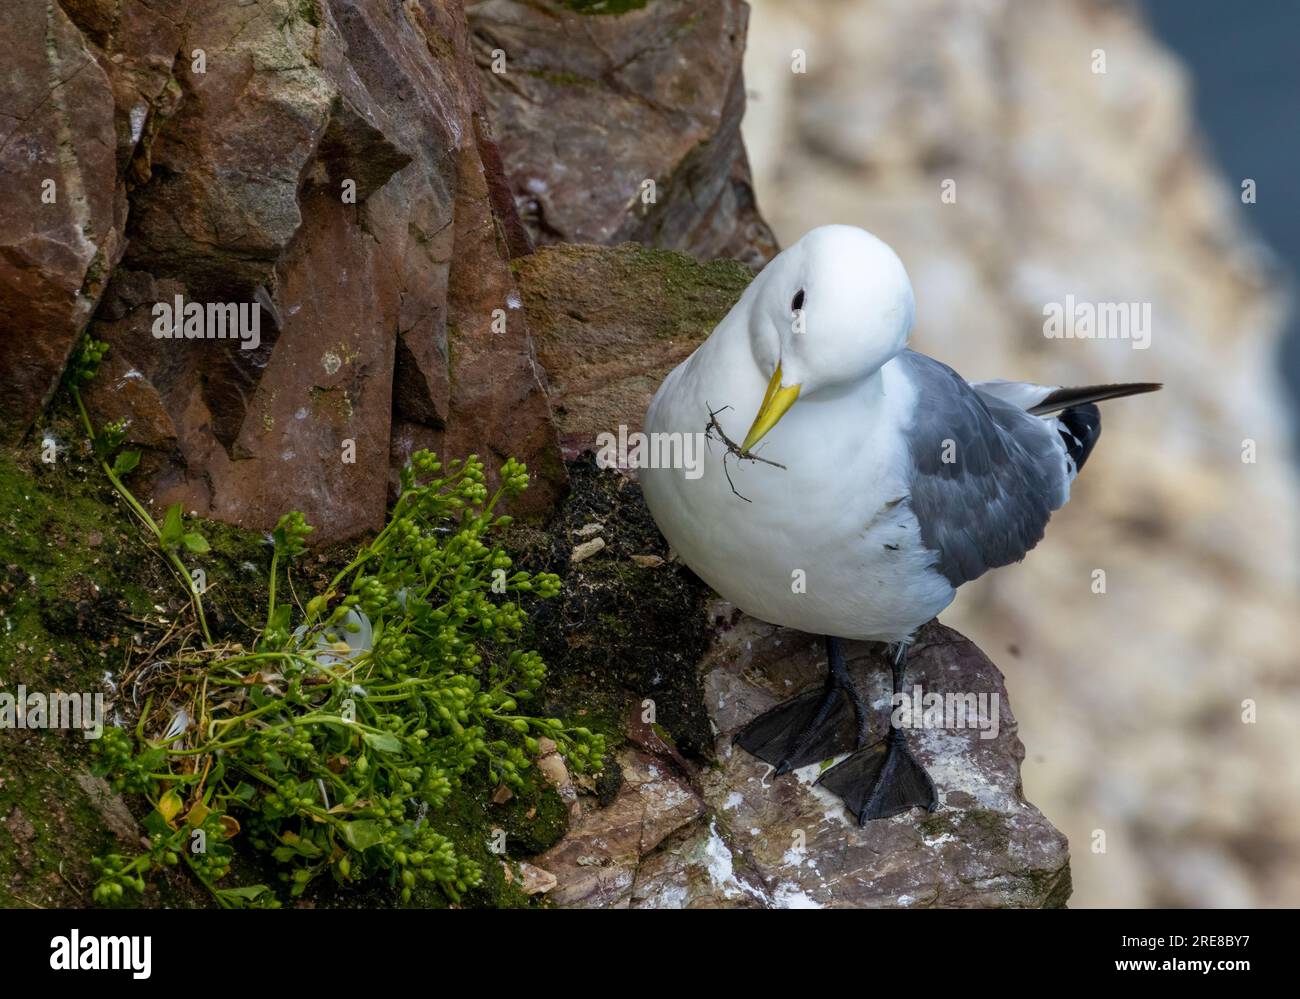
point(1245, 60)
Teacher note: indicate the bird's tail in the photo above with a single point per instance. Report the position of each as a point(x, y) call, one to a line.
point(1076, 416)
point(1041, 400)
point(1079, 427)
point(1064, 398)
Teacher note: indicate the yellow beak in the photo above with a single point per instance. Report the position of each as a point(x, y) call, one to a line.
point(776, 400)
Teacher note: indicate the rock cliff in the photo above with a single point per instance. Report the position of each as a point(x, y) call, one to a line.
point(328, 161)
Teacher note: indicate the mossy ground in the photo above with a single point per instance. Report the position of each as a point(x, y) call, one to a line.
point(620, 632)
point(79, 592)
point(82, 594)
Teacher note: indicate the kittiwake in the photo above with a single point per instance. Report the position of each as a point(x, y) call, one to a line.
point(885, 482)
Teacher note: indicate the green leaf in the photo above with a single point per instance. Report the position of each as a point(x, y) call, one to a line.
point(248, 892)
point(196, 542)
point(154, 824)
point(304, 847)
point(125, 463)
point(363, 834)
point(247, 895)
point(172, 529)
point(197, 813)
point(170, 805)
point(152, 759)
point(384, 742)
point(279, 620)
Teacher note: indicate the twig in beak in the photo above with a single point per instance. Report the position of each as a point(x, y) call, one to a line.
point(713, 427)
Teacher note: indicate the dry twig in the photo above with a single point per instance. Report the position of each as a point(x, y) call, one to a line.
point(713, 427)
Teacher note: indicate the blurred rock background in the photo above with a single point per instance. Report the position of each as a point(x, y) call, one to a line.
point(1096, 185)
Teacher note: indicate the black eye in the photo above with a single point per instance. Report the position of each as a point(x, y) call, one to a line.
point(797, 302)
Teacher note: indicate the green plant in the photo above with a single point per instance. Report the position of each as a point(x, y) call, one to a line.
point(332, 745)
point(170, 536)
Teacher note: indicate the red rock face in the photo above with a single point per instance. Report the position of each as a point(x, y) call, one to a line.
point(62, 214)
point(325, 160)
point(332, 161)
point(588, 109)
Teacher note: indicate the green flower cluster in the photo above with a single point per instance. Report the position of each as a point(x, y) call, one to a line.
point(84, 364)
point(132, 771)
point(333, 741)
point(201, 839)
point(290, 534)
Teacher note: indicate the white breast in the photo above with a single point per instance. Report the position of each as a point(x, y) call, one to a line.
point(827, 545)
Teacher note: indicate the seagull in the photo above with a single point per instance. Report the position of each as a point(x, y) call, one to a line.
point(885, 481)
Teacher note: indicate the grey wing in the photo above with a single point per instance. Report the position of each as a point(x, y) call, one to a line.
point(988, 504)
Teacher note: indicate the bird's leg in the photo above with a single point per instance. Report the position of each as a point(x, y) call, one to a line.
point(813, 725)
point(839, 676)
point(885, 778)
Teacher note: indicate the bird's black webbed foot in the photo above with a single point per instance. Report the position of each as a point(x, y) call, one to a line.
point(885, 778)
point(814, 725)
point(882, 780)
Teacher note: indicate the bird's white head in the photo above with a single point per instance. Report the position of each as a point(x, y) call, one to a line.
point(828, 310)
